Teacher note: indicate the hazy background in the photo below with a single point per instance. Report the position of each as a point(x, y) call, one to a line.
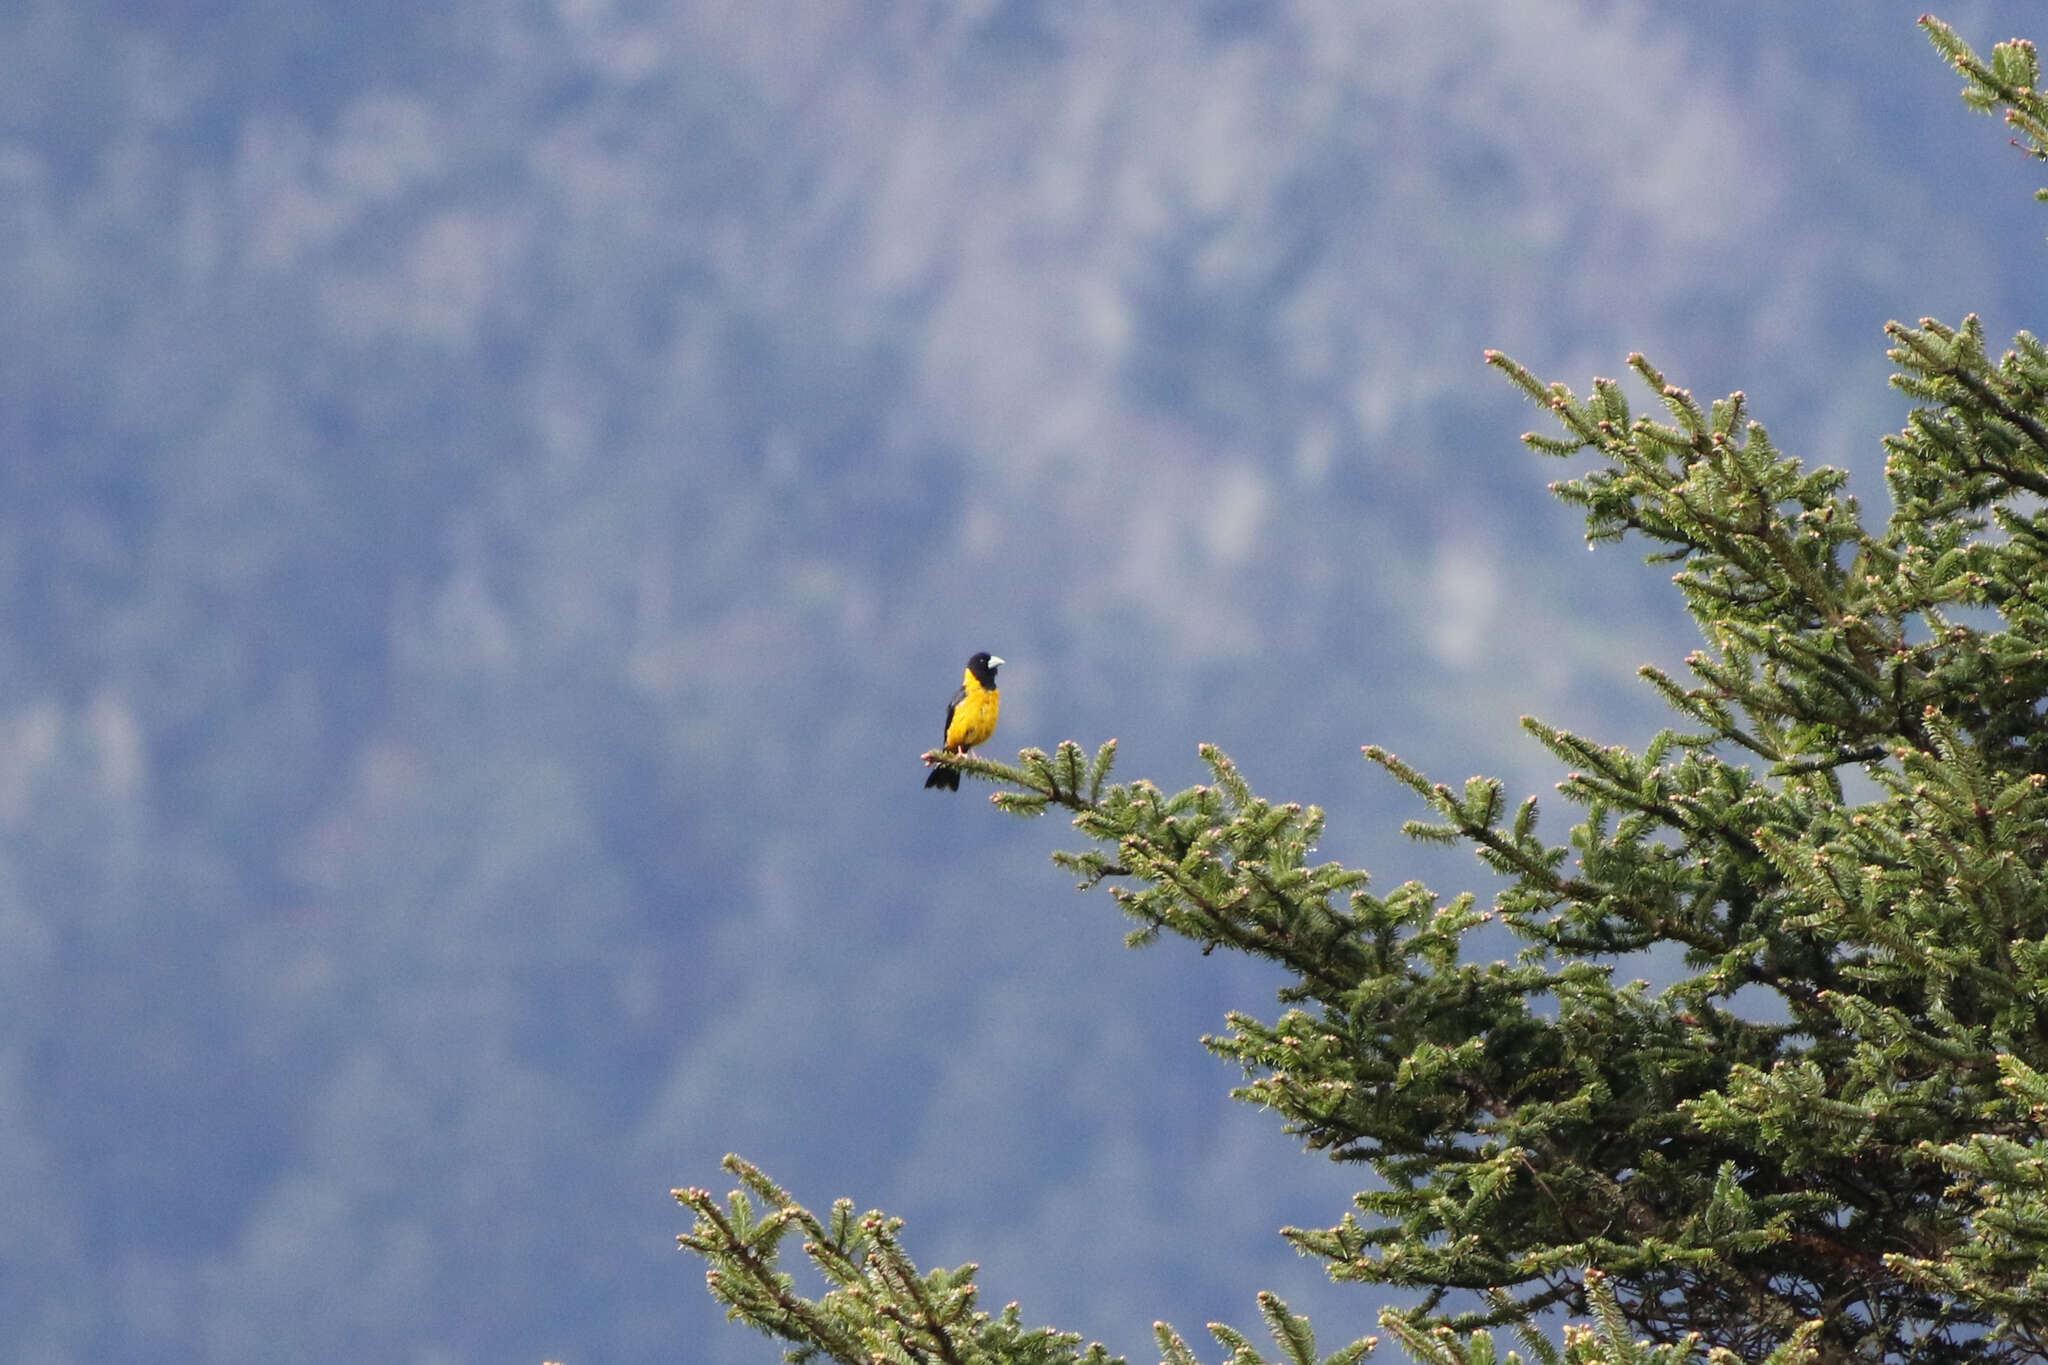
point(496, 496)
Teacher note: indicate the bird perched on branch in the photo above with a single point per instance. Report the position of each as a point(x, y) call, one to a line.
point(970, 716)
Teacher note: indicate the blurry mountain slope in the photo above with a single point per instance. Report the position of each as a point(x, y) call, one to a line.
point(492, 501)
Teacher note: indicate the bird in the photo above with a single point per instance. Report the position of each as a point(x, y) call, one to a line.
point(970, 716)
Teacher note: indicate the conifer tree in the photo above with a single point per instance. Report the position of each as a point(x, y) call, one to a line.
point(1856, 1175)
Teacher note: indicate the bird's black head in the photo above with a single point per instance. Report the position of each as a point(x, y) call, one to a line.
point(983, 667)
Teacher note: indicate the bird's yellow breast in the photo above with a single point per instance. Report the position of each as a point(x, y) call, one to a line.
point(974, 715)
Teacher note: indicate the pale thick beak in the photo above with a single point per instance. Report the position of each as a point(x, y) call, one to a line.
point(993, 661)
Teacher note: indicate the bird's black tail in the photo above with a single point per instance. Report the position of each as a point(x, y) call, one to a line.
point(949, 778)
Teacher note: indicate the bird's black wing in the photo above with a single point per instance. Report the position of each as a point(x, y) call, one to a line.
point(946, 731)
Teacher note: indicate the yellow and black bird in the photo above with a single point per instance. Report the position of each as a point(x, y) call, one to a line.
point(970, 716)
